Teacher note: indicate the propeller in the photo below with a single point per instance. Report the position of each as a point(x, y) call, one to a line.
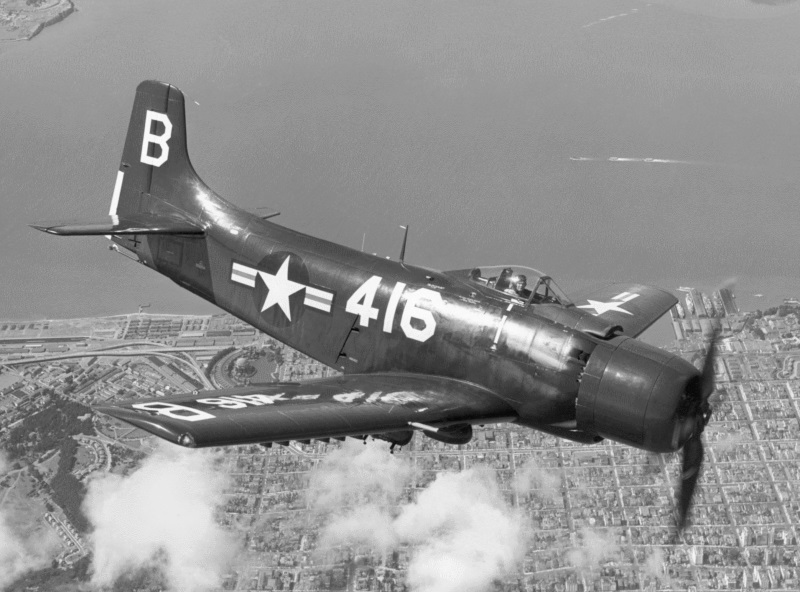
point(697, 411)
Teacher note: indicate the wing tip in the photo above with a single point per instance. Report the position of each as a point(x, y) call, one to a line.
point(150, 426)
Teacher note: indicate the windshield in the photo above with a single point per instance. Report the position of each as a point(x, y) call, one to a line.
point(522, 282)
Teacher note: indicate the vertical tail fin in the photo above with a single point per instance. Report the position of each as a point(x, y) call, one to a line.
point(155, 172)
point(157, 191)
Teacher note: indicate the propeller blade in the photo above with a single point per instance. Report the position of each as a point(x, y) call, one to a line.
point(690, 473)
point(707, 380)
point(693, 449)
point(697, 405)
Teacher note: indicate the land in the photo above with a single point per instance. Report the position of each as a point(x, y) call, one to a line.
point(22, 20)
point(746, 519)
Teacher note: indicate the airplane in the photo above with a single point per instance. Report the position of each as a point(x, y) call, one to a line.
point(418, 349)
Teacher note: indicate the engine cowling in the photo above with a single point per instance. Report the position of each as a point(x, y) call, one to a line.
point(631, 392)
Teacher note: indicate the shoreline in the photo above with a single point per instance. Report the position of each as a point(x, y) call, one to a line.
point(19, 22)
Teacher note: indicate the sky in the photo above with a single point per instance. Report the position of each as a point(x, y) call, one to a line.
point(500, 132)
point(486, 127)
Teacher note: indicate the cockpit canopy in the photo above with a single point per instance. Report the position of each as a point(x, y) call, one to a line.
point(521, 282)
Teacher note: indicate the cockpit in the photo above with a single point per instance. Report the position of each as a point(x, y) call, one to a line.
point(520, 282)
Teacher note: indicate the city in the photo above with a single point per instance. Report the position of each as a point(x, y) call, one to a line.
point(744, 532)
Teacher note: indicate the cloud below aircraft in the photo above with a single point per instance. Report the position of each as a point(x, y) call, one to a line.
point(161, 516)
point(531, 478)
point(462, 531)
point(25, 544)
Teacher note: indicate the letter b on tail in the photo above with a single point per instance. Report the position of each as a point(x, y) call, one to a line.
point(150, 138)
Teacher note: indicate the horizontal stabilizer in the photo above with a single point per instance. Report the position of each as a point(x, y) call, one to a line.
point(134, 223)
point(349, 405)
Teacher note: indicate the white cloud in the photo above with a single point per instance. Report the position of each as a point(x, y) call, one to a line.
point(354, 488)
point(544, 483)
point(13, 555)
point(597, 547)
point(727, 441)
point(461, 531)
point(161, 515)
point(357, 472)
point(654, 564)
point(367, 525)
point(26, 543)
point(465, 533)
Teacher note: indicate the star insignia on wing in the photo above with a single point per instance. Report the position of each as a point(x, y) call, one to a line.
point(601, 307)
point(613, 306)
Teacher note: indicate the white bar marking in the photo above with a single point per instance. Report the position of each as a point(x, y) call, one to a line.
point(239, 279)
point(242, 274)
point(115, 196)
point(321, 295)
point(323, 306)
point(319, 299)
point(500, 328)
point(244, 270)
point(115, 200)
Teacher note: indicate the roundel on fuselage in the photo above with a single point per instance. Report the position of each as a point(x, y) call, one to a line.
point(280, 285)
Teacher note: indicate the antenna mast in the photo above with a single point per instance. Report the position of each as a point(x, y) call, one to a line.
point(403, 248)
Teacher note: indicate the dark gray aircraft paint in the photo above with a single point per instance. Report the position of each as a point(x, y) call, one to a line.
point(419, 349)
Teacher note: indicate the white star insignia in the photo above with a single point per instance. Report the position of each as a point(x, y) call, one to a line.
point(601, 307)
point(280, 287)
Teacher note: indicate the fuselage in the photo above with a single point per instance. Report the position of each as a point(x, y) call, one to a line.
point(405, 318)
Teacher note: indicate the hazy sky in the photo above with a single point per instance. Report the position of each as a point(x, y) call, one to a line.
point(461, 119)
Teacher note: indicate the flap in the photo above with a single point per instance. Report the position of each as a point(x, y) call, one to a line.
point(351, 405)
point(137, 223)
point(634, 307)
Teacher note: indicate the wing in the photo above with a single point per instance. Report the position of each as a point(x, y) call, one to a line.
point(355, 404)
point(634, 307)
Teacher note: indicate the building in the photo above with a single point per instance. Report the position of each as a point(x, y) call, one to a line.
point(728, 301)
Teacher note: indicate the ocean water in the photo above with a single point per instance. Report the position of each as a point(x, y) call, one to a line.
point(461, 119)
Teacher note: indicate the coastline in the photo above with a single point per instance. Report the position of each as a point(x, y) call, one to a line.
point(20, 22)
